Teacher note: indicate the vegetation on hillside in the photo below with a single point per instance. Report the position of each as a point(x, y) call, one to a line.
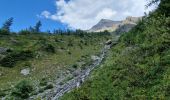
point(138, 67)
point(46, 55)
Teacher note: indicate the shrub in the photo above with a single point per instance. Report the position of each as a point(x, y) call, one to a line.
point(4, 32)
point(41, 90)
point(74, 66)
point(43, 82)
point(49, 48)
point(49, 86)
point(23, 89)
point(69, 53)
point(2, 93)
point(24, 32)
point(70, 44)
point(11, 59)
point(81, 47)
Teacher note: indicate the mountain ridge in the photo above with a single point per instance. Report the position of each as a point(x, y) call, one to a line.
point(110, 25)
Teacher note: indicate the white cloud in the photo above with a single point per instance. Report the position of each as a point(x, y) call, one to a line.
point(83, 14)
point(46, 14)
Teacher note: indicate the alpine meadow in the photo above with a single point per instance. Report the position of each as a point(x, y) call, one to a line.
point(125, 56)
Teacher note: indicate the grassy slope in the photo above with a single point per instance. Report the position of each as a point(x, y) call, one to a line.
point(47, 65)
point(137, 68)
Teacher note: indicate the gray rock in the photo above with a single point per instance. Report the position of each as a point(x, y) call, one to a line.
point(95, 58)
point(104, 23)
point(108, 42)
point(3, 50)
point(25, 72)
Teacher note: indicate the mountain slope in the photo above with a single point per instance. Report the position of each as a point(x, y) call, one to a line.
point(109, 25)
point(105, 24)
point(43, 59)
point(138, 67)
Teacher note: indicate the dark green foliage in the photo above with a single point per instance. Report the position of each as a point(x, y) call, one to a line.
point(41, 90)
point(49, 86)
point(6, 26)
point(74, 66)
point(2, 93)
point(43, 82)
point(49, 48)
point(137, 67)
point(4, 32)
point(69, 53)
point(37, 26)
point(70, 44)
point(81, 47)
point(23, 89)
point(164, 7)
point(24, 32)
point(11, 59)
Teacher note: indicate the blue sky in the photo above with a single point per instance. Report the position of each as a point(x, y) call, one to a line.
point(62, 14)
point(25, 13)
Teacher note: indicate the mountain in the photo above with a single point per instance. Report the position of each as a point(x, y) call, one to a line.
point(105, 24)
point(109, 25)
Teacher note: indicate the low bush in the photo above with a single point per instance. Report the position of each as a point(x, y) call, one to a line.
point(11, 59)
point(48, 48)
point(49, 86)
point(74, 66)
point(4, 32)
point(24, 32)
point(43, 82)
point(23, 89)
point(69, 53)
point(2, 93)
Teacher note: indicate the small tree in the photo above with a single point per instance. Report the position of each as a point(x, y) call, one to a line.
point(6, 26)
point(37, 26)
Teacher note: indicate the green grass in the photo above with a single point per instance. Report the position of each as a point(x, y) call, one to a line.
point(47, 64)
point(137, 68)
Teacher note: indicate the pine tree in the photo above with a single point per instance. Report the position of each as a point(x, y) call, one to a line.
point(37, 26)
point(6, 26)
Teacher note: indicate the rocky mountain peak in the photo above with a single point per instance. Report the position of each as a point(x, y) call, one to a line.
point(110, 25)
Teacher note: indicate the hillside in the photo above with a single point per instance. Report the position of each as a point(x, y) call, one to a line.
point(114, 60)
point(42, 59)
point(138, 67)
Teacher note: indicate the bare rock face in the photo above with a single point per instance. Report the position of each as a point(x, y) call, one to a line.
point(105, 24)
point(25, 72)
point(109, 25)
point(132, 20)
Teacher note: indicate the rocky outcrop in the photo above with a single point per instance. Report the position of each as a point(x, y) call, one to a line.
point(111, 26)
point(105, 24)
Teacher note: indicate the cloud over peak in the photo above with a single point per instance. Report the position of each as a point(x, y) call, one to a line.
point(83, 14)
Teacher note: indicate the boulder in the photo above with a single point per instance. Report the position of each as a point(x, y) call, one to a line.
point(95, 58)
point(108, 42)
point(25, 71)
